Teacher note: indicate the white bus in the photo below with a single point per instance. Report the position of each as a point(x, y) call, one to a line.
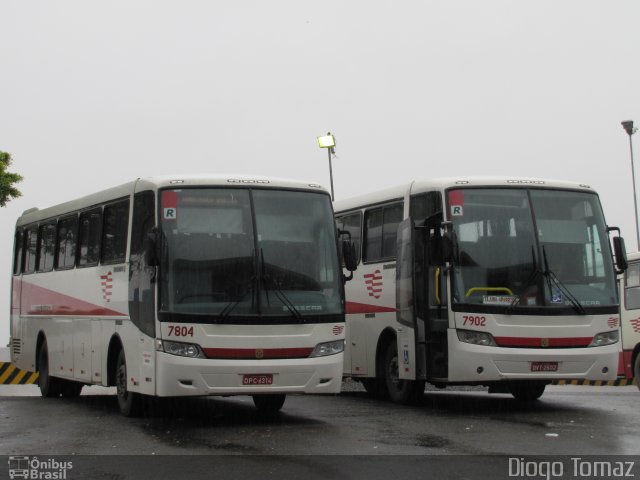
point(182, 286)
point(506, 283)
point(630, 319)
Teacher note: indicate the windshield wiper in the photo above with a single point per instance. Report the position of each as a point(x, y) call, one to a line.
point(226, 311)
point(533, 277)
point(552, 278)
point(278, 291)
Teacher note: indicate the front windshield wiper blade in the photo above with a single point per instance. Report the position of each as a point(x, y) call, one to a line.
point(553, 278)
point(226, 311)
point(533, 277)
point(278, 291)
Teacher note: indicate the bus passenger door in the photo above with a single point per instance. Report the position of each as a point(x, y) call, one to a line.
point(410, 345)
point(431, 300)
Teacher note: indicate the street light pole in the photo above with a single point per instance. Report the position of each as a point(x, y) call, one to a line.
point(329, 142)
point(330, 150)
point(628, 127)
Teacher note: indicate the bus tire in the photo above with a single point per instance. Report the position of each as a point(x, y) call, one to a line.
point(527, 390)
point(49, 386)
point(129, 403)
point(400, 391)
point(269, 404)
point(636, 370)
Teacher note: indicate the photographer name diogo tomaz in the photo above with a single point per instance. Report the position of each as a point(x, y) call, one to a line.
point(577, 468)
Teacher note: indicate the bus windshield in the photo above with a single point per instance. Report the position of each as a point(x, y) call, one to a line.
point(532, 248)
point(240, 255)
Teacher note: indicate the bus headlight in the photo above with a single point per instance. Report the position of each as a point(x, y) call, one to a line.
point(180, 349)
point(476, 338)
point(605, 338)
point(328, 348)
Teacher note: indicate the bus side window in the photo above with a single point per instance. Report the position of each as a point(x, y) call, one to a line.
point(632, 287)
point(141, 277)
point(17, 252)
point(66, 243)
point(30, 249)
point(89, 238)
point(46, 245)
point(381, 230)
point(114, 232)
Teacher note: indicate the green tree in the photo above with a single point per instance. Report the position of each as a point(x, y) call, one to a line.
point(7, 180)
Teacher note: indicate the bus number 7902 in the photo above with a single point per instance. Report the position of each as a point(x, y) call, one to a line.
point(475, 321)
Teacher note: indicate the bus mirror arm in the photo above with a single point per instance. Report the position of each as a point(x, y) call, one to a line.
point(448, 247)
point(619, 250)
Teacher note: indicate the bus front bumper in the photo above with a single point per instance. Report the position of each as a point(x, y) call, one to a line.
point(182, 376)
point(475, 363)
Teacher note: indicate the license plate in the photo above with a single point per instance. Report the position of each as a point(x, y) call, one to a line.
point(544, 366)
point(258, 379)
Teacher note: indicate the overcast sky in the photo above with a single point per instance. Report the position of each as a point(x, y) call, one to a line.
point(94, 94)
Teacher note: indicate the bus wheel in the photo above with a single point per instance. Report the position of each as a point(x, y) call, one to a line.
point(71, 389)
point(400, 391)
point(49, 386)
point(636, 370)
point(269, 404)
point(128, 402)
point(527, 391)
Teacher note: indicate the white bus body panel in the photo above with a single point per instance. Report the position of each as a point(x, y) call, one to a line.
point(81, 310)
point(371, 310)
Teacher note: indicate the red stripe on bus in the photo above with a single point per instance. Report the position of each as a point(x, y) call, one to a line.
point(626, 367)
point(354, 307)
point(257, 353)
point(543, 342)
point(42, 301)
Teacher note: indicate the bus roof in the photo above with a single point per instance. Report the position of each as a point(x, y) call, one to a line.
point(440, 184)
point(154, 183)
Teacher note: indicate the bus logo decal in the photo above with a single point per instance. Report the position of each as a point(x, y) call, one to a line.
point(338, 329)
point(635, 324)
point(374, 283)
point(544, 342)
point(107, 285)
point(169, 205)
point(259, 353)
point(456, 200)
point(612, 322)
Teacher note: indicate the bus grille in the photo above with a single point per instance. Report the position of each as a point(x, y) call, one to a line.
point(16, 344)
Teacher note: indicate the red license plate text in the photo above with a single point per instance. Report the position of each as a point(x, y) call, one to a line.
point(258, 379)
point(544, 366)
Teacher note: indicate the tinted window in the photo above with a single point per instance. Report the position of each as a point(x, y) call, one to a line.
point(67, 242)
point(381, 232)
point(632, 287)
point(143, 220)
point(89, 238)
point(30, 249)
point(46, 247)
point(17, 252)
point(114, 233)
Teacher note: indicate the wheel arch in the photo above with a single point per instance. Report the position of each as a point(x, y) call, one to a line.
point(115, 346)
point(387, 336)
point(42, 338)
